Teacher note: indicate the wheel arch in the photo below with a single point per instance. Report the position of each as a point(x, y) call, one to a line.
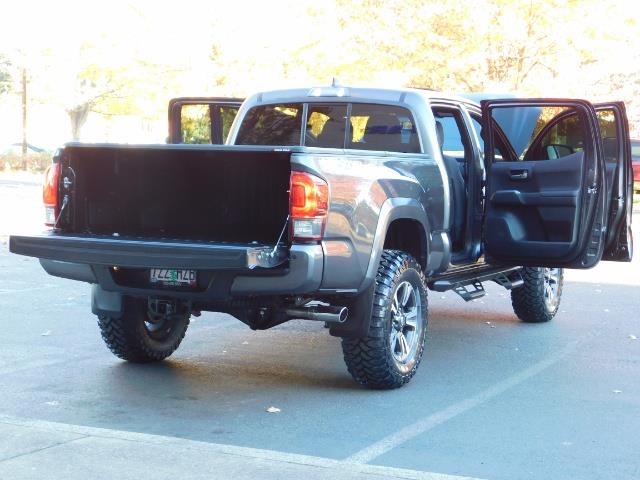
point(397, 216)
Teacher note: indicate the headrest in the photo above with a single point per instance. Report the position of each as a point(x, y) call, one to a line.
point(382, 124)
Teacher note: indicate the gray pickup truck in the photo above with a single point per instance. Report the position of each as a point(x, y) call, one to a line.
point(341, 205)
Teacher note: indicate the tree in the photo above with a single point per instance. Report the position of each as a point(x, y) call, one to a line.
point(5, 75)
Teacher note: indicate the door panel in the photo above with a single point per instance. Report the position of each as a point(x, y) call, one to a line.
point(534, 207)
point(544, 207)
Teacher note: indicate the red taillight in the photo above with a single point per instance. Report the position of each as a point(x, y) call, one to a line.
point(50, 194)
point(309, 203)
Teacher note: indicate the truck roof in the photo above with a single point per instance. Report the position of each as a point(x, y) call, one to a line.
point(342, 93)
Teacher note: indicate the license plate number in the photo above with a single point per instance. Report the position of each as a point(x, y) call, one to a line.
point(170, 277)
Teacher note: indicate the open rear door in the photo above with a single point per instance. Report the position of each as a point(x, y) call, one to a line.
point(201, 120)
point(614, 129)
point(545, 193)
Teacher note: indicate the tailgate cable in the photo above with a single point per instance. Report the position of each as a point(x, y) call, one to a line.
point(275, 247)
point(65, 202)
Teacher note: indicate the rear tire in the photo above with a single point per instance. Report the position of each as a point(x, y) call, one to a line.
point(538, 300)
point(389, 355)
point(136, 337)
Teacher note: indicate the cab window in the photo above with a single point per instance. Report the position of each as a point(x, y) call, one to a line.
point(382, 127)
point(271, 125)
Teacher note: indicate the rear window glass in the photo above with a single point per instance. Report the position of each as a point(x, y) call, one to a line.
point(326, 126)
point(332, 125)
point(383, 127)
point(271, 125)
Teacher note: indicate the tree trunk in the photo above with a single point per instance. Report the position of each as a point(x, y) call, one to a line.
point(24, 118)
point(78, 116)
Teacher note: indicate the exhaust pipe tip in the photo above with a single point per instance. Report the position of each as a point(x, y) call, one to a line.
point(329, 314)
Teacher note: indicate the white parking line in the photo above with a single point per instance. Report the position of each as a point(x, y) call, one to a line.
point(425, 424)
point(217, 450)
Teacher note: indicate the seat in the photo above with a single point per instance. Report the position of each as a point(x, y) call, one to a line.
point(332, 134)
point(458, 195)
point(382, 133)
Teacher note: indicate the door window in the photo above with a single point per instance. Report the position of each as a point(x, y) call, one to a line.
point(195, 124)
point(227, 116)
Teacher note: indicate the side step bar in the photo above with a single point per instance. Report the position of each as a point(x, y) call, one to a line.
point(468, 283)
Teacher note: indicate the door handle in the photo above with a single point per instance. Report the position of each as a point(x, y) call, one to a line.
point(519, 174)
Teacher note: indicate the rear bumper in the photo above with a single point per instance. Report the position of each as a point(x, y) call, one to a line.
point(131, 253)
point(89, 259)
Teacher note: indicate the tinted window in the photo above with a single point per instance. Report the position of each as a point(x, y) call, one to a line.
point(326, 125)
point(562, 139)
point(539, 133)
point(195, 124)
point(609, 133)
point(382, 127)
point(271, 125)
point(227, 115)
point(370, 127)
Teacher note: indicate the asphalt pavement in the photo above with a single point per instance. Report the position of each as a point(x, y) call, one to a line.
point(493, 398)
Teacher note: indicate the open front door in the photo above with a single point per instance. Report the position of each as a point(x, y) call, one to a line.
point(546, 189)
point(201, 120)
point(616, 143)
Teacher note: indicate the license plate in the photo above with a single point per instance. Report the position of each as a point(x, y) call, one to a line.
point(169, 277)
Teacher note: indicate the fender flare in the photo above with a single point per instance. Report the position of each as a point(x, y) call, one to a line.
point(438, 254)
point(395, 209)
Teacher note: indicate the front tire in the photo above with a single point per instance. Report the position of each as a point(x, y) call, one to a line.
point(538, 300)
point(389, 355)
point(137, 337)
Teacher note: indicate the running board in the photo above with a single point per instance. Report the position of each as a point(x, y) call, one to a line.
point(468, 283)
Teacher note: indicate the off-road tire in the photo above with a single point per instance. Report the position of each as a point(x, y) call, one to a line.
point(130, 338)
point(529, 300)
point(370, 360)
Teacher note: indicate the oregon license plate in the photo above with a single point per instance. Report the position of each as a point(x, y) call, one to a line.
point(169, 277)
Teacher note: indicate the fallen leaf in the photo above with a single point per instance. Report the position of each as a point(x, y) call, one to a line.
point(273, 410)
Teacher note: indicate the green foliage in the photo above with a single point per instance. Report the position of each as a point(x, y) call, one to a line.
point(5, 76)
point(196, 124)
point(33, 162)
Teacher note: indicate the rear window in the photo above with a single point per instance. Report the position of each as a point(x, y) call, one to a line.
point(271, 125)
point(332, 125)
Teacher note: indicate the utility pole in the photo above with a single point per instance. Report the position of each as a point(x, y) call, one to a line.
point(24, 118)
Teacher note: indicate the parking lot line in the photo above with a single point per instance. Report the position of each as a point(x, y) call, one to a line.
point(427, 423)
point(216, 450)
